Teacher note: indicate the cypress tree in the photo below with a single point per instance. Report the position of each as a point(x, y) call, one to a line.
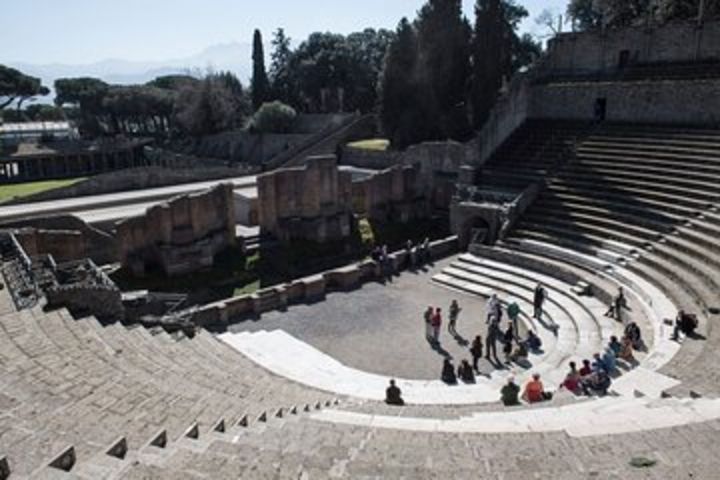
point(444, 67)
point(259, 77)
point(397, 94)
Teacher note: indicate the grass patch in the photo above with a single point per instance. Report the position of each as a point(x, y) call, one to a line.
point(251, 287)
point(233, 274)
point(374, 144)
point(10, 192)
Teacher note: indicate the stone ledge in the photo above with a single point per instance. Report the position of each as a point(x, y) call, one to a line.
point(307, 289)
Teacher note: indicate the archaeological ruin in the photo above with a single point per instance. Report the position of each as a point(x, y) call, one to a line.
point(180, 236)
point(587, 203)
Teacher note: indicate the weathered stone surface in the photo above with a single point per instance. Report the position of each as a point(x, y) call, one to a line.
point(311, 202)
point(182, 235)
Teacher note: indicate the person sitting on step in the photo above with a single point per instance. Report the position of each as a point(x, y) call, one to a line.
point(586, 369)
point(465, 372)
point(597, 363)
point(509, 393)
point(520, 353)
point(609, 361)
point(393, 395)
point(686, 323)
point(597, 383)
point(535, 391)
point(533, 342)
point(615, 345)
point(626, 350)
point(448, 372)
point(632, 331)
point(572, 380)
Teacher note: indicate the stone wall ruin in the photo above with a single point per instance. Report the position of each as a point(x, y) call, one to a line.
point(181, 235)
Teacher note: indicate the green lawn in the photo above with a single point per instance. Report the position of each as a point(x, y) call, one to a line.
point(376, 144)
point(8, 192)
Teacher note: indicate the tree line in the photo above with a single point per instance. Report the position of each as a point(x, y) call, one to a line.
point(435, 77)
point(442, 75)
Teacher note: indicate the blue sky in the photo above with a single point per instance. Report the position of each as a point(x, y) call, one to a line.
point(85, 31)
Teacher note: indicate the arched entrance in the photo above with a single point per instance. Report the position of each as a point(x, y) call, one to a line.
point(477, 230)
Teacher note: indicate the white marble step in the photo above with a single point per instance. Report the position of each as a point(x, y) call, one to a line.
point(556, 350)
point(580, 341)
point(606, 416)
point(592, 307)
point(316, 369)
point(657, 305)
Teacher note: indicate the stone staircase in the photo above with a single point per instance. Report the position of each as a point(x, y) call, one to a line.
point(73, 388)
point(640, 202)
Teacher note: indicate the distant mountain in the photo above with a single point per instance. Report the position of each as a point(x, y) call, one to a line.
point(234, 56)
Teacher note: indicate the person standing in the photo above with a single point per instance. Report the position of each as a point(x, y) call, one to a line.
point(476, 350)
point(513, 311)
point(493, 335)
point(493, 309)
point(539, 298)
point(454, 312)
point(436, 323)
point(428, 322)
point(508, 340)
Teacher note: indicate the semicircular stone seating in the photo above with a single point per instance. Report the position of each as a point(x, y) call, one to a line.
point(634, 207)
point(639, 204)
point(72, 388)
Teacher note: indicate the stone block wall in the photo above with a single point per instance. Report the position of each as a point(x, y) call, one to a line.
point(66, 238)
point(311, 202)
point(393, 193)
point(63, 245)
point(181, 235)
point(593, 52)
point(692, 102)
point(307, 289)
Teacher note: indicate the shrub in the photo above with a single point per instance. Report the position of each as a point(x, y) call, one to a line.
point(273, 117)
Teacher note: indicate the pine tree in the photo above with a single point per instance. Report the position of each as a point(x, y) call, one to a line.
point(281, 83)
point(444, 67)
point(259, 78)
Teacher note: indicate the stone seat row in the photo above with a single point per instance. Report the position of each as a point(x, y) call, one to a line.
point(583, 330)
point(80, 383)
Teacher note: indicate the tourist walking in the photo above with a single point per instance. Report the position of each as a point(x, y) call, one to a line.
point(618, 304)
point(454, 312)
point(539, 297)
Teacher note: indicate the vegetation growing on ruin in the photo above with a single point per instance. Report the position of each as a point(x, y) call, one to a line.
point(10, 192)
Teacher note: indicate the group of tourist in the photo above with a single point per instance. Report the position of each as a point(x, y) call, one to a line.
point(594, 377)
point(416, 255)
point(433, 321)
point(514, 348)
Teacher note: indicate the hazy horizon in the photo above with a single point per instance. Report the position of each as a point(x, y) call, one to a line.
point(83, 32)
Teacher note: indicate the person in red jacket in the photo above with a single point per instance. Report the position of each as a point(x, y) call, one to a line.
point(436, 323)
